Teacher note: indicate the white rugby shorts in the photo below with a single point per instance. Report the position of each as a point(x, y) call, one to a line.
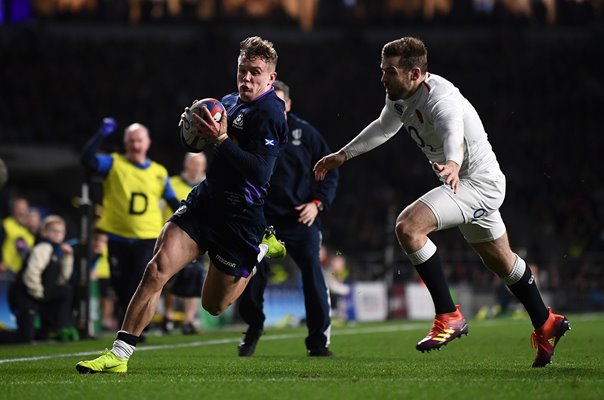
point(474, 209)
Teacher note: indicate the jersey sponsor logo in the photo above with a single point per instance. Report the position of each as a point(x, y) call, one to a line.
point(297, 134)
point(399, 108)
point(238, 122)
point(225, 262)
point(269, 142)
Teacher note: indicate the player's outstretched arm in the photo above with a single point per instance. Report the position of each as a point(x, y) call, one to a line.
point(327, 163)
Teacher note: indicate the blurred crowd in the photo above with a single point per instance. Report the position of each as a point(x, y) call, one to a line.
point(308, 14)
point(537, 89)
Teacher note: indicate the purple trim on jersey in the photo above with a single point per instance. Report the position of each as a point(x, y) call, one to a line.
point(272, 89)
point(252, 192)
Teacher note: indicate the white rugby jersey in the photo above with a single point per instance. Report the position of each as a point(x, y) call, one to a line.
point(443, 124)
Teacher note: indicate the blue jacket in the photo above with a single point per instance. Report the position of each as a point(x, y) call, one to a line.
point(293, 181)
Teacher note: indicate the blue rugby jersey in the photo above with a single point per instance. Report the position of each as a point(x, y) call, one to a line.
point(244, 163)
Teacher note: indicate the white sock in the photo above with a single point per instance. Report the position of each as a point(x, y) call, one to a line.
point(517, 271)
point(122, 349)
point(422, 255)
point(263, 250)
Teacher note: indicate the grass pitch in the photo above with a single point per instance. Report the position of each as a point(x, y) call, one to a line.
point(373, 361)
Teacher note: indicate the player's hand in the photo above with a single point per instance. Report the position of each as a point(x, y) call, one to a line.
point(107, 126)
point(308, 213)
point(327, 163)
point(184, 114)
point(207, 127)
point(449, 173)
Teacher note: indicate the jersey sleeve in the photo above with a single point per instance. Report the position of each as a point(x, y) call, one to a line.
point(375, 134)
point(256, 160)
point(37, 262)
point(257, 168)
point(93, 161)
point(170, 195)
point(447, 114)
point(270, 131)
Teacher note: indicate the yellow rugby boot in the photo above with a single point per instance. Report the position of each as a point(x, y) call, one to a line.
point(106, 362)
point(276, 248)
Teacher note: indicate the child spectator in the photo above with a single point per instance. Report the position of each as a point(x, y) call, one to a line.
point(42, 287)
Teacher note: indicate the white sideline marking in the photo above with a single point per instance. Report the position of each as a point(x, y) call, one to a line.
point(353, 331)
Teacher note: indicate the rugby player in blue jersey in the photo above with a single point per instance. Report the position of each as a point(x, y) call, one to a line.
point(223, 215)
point(293, 206)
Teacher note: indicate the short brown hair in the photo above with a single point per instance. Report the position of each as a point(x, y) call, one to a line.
point(411, 50)
point(256, 47)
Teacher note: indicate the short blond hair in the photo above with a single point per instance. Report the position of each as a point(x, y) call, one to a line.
point(52, 220)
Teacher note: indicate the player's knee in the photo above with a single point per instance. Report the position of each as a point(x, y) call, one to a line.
point(404, 229)
point(154, 274)
point(213, 307)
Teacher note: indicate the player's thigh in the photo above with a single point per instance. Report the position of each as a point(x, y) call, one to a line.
point(436, 210)
point(476, 202)
point(221, 289)
point(486, 229)
point(174, 249)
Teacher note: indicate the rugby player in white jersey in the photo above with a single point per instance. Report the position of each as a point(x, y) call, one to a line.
point(448, 130)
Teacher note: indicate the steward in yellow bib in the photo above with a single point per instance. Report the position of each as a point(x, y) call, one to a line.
point(15, 239)
point(132, 188)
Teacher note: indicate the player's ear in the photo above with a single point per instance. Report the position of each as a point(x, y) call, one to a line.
point(416, 73)
point(273, 78)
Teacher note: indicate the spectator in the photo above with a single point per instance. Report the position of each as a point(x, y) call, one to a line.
point(15, 237)
point(42, 288)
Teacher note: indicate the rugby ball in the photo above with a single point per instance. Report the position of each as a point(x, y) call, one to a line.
point(187, 129)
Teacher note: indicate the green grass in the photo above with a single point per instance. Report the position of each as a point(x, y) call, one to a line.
point(373, 361)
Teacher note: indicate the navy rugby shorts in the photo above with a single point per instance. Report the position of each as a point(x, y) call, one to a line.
point(231, 237)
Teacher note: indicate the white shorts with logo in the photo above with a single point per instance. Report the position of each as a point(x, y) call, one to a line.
point(474, 209)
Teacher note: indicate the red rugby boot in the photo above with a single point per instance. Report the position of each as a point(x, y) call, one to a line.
point(447, 327)
point(546, 338)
